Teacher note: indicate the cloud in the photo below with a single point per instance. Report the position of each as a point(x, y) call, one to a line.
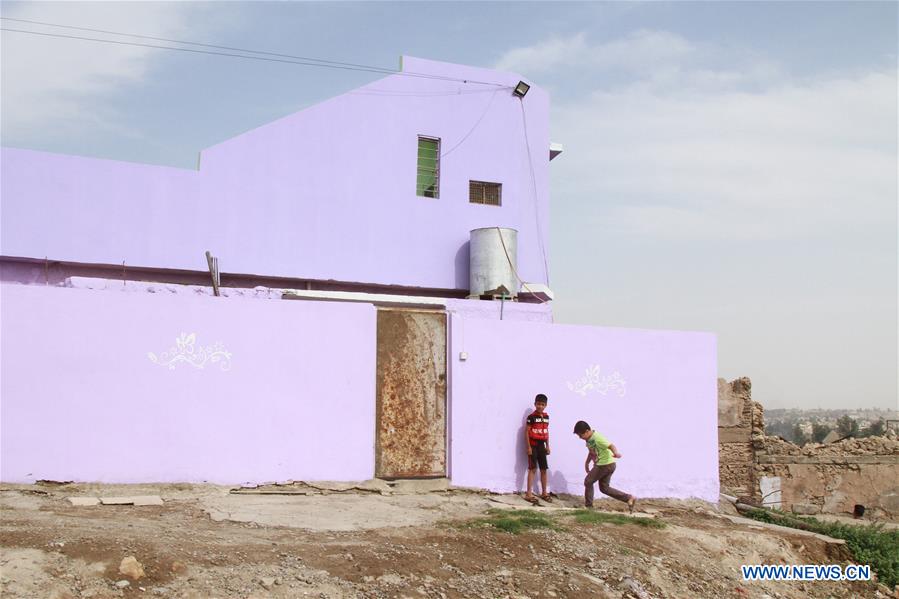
point(817, 157)
point(543, 56)
point(693, 141)
point(640, 49)
point(62, 85)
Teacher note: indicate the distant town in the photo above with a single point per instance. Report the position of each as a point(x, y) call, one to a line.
point(813, 426)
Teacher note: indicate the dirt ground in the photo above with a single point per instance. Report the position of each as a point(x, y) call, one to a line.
point(205, 542)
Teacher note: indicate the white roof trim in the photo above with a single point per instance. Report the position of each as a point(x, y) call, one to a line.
point(381, 299)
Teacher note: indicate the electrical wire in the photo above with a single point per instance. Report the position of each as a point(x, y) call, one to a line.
point(475, 126)
point(527, 145)
point(140, 45)
point(417, 94)
point(276, 57)
point(512, 266)
point(175, 41)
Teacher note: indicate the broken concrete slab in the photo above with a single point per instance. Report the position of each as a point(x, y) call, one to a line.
point(83, 501)
point(414, 486)
point(137, 500)
point(274, 490)
point(315, 488)
point(765, 525)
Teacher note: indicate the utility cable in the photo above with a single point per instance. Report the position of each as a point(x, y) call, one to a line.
point(512, 266)
point(475, 126)
point(527, 145)
point(274, 56)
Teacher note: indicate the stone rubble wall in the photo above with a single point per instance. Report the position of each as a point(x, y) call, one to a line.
point(813, 479)
point(737, 437)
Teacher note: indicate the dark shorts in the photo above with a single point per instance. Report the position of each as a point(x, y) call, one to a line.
point(538, 456)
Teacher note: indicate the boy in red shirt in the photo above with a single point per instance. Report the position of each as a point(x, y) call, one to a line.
point(536, 434)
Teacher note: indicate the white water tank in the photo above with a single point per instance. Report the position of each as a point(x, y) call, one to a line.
point(493, 260)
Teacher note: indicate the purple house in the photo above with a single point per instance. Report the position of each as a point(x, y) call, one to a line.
point(395, 211)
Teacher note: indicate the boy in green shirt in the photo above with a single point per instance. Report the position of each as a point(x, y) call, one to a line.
point(602, 453)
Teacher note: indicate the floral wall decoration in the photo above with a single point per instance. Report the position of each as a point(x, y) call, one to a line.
point(186, 351)
point(594, 381)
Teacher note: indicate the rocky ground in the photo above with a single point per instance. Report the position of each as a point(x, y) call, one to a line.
point(205, 542)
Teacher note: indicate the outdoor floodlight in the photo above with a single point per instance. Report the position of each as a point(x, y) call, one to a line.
point(521, 89)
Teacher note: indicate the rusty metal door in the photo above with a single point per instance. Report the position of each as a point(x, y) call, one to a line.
point(411, 408)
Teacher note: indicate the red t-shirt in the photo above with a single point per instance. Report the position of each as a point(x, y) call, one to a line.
point(539, 430)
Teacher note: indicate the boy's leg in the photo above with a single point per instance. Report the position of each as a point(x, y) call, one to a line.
point(532, 465)
point(540, 457)
point(605, 477)
point(591, 479)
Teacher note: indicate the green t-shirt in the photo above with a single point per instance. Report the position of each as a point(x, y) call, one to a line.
point(600, 446)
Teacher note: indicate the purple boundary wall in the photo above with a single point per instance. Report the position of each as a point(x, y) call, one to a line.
point(661, 412)
point(82, 400)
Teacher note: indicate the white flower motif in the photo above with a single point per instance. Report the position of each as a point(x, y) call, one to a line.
point(185, 351)
point(594, 381)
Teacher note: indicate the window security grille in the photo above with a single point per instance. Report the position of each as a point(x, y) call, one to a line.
point(480, 192)
point(428, 180)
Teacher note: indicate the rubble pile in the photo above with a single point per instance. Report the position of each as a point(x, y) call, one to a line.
point(778, 446)
point(854, 446)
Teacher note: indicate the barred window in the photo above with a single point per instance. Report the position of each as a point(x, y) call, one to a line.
point(428, 181)
point(480, 192)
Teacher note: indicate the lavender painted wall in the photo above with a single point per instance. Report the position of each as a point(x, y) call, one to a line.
point(664, 424)
point(494, 310)
point(82, 400)
point(326, 193)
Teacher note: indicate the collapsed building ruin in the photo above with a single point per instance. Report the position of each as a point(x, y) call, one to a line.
point(817, 478)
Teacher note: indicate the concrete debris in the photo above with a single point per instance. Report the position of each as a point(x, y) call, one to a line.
point(132, 568)
point(427, 485)
point(267, 582)
point(758, 525)
point(316, 488)
point(853, 446)
point(634, 587)
point(83, 501)
point(137, 500)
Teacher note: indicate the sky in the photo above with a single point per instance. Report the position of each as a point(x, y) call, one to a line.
point(728, 167)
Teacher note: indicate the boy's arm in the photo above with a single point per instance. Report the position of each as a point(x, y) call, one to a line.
point(591, 457)
point(547, 441)
point(614, 450)
point(527, 438)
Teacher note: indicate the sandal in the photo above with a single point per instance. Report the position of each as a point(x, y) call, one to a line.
point(531, 499)
point(547, 498)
